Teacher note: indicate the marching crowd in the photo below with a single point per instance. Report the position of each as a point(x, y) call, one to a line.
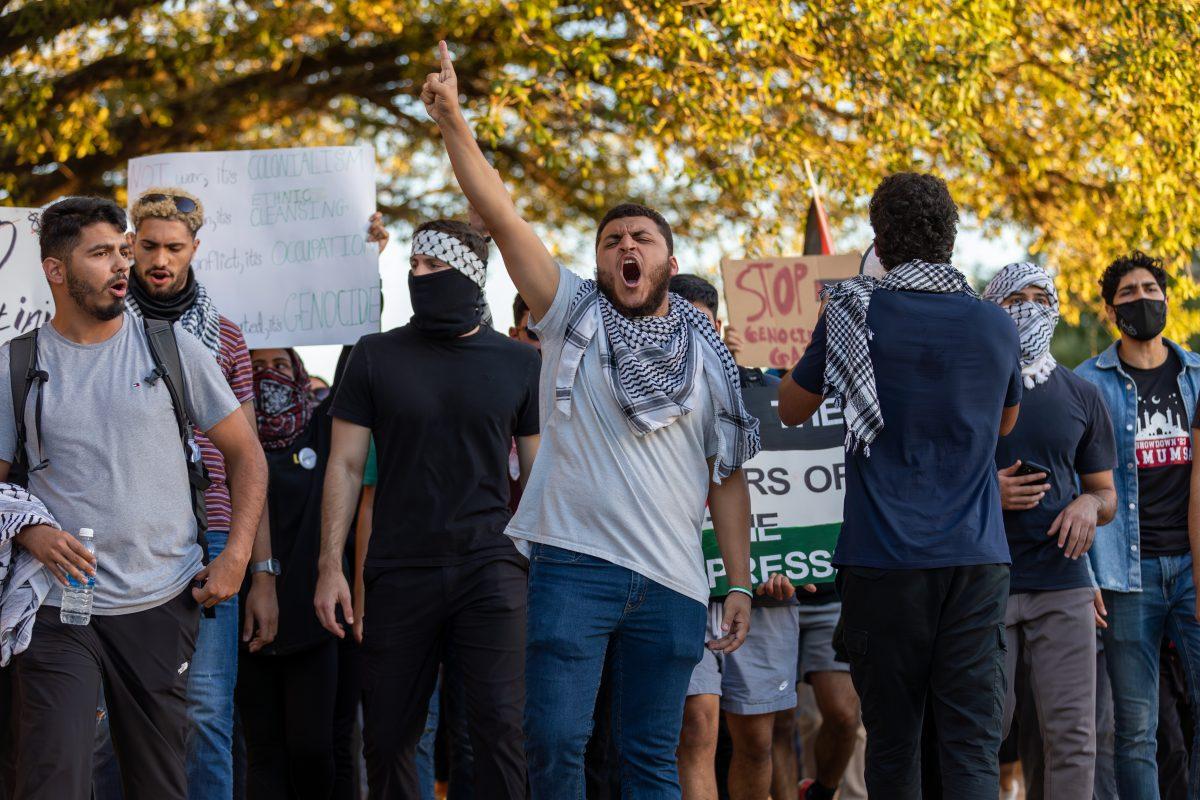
point(494, 541)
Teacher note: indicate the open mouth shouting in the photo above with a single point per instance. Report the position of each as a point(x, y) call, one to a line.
point(119, 287)
point(159, 278)
point(631, 271)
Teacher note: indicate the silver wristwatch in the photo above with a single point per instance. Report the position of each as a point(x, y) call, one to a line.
point(270, 566)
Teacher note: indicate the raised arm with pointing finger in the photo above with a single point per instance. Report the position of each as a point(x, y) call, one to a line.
point(525, 257)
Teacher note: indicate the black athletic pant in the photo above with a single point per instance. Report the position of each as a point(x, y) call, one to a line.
point(928, 634)
point(413, 615)
point(287, 708)
point(142, 661)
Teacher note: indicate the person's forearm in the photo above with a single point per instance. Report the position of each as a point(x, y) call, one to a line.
point(729, 504)
point(479, 181)
point(247, 470)
point(262, 538)
point(342, 487)
point(1107, 508)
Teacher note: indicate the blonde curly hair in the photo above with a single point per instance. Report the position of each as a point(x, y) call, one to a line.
point(165, 208)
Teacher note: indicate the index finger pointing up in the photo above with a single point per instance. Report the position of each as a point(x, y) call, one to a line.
point(447, 64)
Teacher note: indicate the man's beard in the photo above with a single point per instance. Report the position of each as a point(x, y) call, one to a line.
point(164, 293)
point(92, 301)
point(660, 280)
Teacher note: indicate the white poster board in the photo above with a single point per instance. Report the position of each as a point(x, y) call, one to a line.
point(283, 251)
point(25, 301)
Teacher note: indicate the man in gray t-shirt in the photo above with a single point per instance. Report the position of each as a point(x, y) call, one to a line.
point(642, 425)
point(114, 462)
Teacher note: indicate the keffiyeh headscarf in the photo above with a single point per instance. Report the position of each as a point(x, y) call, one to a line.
point(1035, 322)
point(849, 373)
point(283, 404)
point(451, 250)
point(652, 364)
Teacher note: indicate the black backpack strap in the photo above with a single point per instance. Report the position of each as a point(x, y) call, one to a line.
point(23, 371)
point(168, 367)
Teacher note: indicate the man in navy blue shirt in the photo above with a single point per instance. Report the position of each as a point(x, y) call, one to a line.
point(928, 376)
point(1064, 438)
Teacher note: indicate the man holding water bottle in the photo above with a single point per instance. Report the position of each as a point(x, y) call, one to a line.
point(107, 457)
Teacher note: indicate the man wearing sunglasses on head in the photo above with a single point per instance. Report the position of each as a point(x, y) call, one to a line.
point(164, 286)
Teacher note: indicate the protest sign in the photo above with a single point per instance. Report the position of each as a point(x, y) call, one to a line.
point(773, 303)
point(283, 251)
point(797, 483)
point(25, 301)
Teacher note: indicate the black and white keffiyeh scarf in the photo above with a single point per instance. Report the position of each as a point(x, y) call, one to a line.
point(1035, 322)
point(651, 364)
point(24, 582)
point(849, 374)
point(200, 317)
point(450, 250)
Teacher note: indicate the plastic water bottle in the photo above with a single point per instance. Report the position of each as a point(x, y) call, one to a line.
point(76, 606)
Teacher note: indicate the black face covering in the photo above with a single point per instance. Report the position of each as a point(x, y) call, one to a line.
point(1142, 319)
point(171, 308)
point(445, 304)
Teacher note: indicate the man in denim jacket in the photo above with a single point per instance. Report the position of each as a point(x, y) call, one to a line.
point(1142, 559)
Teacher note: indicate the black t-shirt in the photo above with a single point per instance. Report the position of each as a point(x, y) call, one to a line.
point(295, 479)
point(1065, 427)
point(443, 413)
point(1163, 445)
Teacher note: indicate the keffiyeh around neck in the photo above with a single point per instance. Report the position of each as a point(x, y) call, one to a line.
point(651, 365)
point(1035, 322)
point(849, 373)
point(192, 308)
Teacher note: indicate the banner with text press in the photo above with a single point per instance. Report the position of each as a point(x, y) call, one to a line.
point(283, 251)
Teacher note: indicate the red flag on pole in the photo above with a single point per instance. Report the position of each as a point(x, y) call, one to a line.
point(818, 239)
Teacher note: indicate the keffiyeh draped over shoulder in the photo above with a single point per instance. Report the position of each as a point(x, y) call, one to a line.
point(849, 373)
point(1035, 322)
point(24, 582)
point(651, 364)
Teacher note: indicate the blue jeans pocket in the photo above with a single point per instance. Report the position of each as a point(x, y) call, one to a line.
point(549, 554)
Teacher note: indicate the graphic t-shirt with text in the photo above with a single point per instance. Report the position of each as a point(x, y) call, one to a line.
point(1163, 446)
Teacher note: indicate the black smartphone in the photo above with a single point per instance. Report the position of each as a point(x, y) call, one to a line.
point(1032, 468)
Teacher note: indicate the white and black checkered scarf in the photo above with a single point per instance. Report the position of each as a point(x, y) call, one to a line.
point(1035, 322)
point(849, 373)
point(451, 250)
point(199, 317)
point(652, 364)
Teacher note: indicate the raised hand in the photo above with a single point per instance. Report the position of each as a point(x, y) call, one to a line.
point(440, 92)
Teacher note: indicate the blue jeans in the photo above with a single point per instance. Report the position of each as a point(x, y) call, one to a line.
point(211, 680)
point(1137, 622)
point(425, 766)
point(579, 608)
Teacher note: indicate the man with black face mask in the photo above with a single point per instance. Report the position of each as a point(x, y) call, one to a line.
point(1142, 559)
point(443, 396)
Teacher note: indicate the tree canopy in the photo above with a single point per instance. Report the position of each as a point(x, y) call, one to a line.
point(1078, 122)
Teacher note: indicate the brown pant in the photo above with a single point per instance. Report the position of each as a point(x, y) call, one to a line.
point(1054, 633)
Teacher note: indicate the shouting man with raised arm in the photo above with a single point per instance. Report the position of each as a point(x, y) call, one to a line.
point(642, 423)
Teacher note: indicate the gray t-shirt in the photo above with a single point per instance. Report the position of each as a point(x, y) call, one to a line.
point(600, 489)
point(116, 462)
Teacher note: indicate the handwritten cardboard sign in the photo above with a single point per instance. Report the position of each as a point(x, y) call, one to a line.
point(25, 301)
point(773, 303)
point(283, 251)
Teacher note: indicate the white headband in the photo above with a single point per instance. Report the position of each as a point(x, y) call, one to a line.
point(447, 248)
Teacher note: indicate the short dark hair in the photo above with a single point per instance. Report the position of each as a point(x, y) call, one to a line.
point(1124, 265)
point(61, 223)
point(695, 289)
point(638, 210)
point(461, 231)
point(914, 218)
point(520, 309)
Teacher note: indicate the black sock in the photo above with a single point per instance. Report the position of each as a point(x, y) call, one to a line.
point(818, 791)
